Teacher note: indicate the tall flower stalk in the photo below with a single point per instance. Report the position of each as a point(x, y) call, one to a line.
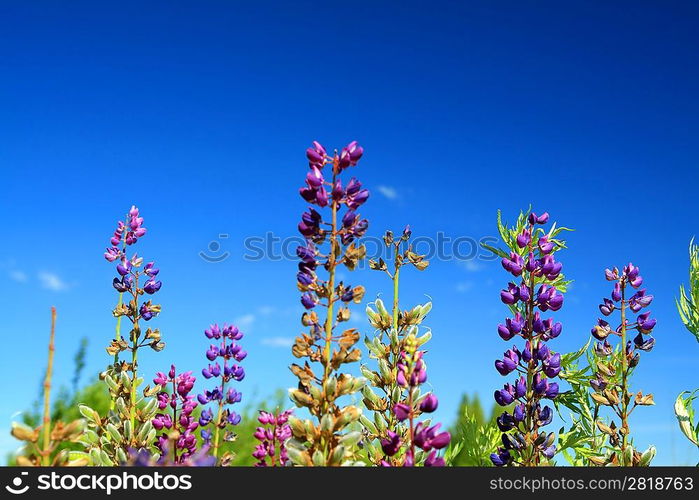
point(178, 425)
point(272, 435)
point(222, 419)
point(128, 427)
point(535, 289)
point(616, 364)
point(688, 308)
point(46, 420)
point(388, 390)
point(423, 440)
point(329, 244)
point(43, 442)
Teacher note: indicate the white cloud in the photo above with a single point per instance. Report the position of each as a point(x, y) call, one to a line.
point(278, 341)
point(266, 310)
point(52, 282)
point(388, 191)
point(244, 322)
point(471, 265)
point(464, 286)
point(18, 276)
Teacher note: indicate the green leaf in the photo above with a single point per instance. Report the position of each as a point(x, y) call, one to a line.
point(684, 414)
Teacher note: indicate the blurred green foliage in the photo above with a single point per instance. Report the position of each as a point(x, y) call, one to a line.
point(475, 433)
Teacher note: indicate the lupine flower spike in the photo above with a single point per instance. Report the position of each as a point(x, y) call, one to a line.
point(217, 420)
point(392, 438)
point(126, 234)
point(423, 441)
point(175, 420)
point(129, 424)
point(615, 364)
point(273, 434)
point(536, 287)
point(326, 442)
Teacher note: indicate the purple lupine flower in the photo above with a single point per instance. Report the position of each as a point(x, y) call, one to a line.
point(508, 363)
point(222, 395)
point(182, 404)
point(429, 438)
point(152, 286)
point(401, 411)
point(429, 404)
point(391, 444)
point(316, 155)
point(545, 246)
point(510, 295)
point(350, 155)
point(501, 458)
point(538, 219)
point(149, 310)
point(639, 300)
point(513, 264)
point(308, 300)
point(122, 285)
point(505, 396)
point(531, 259)
point(607, 307)
point(523, 239)
point(272, 436)
point(645, 323)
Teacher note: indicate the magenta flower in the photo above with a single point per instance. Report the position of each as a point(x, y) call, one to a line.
point(275, 431)
point(181, 404)
point(412, 372)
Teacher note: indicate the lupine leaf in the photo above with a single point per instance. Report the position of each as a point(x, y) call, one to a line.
point(684, 414)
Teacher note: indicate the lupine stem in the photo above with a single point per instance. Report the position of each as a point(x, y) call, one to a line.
point(531, 365)
point(396, 274)
point(219, 414)
point(395, 352)
point(412, 423)
point(134, 356)
point(118, 321)
point(118, 324)
point(112, 402)
point(624, 370)
point(46, 452)
point(217, 431)
point(174, 420)
point(132, 410)
point(331, 287)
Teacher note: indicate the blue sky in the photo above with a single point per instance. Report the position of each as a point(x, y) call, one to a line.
point(200, 114)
